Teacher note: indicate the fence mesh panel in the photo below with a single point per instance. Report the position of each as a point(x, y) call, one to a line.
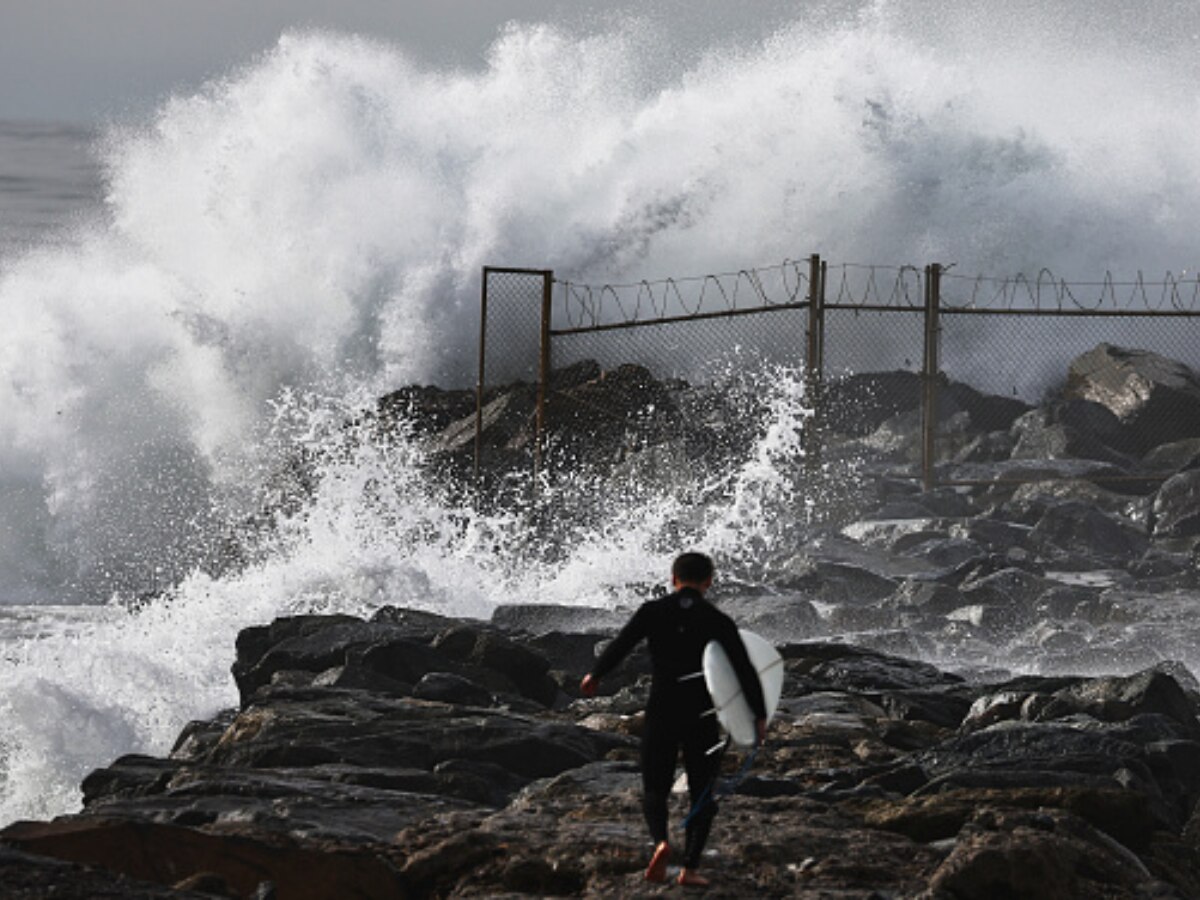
point(1028, 359)
point(653, 377)
point(509, 361)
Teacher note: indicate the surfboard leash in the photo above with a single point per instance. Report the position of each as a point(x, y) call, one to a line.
point(730, 785)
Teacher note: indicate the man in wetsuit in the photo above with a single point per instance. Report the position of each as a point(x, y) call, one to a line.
point(677, 628)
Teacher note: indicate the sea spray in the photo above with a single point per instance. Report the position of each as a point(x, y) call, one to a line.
point(318, 218)
point(315, 222)
point(379, 527)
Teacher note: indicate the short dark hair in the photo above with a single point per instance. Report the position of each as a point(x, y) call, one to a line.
point(692, 568)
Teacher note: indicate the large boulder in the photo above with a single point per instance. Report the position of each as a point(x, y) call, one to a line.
point(1040, 855)
point(1156, 400)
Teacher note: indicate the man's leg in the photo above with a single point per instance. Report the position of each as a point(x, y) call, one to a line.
point(702, 760)
point(660, 748)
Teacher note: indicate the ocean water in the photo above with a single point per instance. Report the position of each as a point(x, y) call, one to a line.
point(191, 298)
point(50, 181)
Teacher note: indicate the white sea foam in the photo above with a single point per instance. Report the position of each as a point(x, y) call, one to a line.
point(316, 221)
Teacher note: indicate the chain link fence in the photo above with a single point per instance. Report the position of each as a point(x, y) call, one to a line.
point(906, 373)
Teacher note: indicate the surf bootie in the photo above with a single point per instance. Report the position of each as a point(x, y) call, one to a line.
point(657, 870)
point(692, 878)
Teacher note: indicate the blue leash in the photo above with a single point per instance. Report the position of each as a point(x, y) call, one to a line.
point(729, 787)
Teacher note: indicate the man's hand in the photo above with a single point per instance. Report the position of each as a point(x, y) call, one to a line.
point(760, 731)
point(588, 686)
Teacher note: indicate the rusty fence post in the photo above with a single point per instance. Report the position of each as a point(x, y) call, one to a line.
point(814, 361)
point(929, 375)
point(543, 372)
point(483, 315)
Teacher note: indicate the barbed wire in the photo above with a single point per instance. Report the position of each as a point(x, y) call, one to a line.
point(590, 306)
point(858, 286)
point(866, 287)
point(1048, 293)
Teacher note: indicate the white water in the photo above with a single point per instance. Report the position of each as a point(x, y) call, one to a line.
point(314, 225)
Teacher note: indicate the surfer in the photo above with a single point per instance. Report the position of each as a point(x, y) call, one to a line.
point(677, 628)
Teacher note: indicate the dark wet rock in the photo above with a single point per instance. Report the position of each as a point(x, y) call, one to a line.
point(1118, 698)
point(1173, 458)
point(930, 775)
point(859, 404)
point(1078, 430)
point(1031, 501)
point(200, 735)
point(993, 535)
point(1009, 587)
point(166, 854)
point(1155, 399)
point(27, 876)
point(1075, 529)
point(1177, 506)
point(537, 618)
point(1066, 602)
point(950, 557)
point(893, 533)
point(1039, 855)
point(427, 410)
point(779, 618)
point(1008, 475)
point(842, 667)
point(991, 447)
point(321, 727)
point(446, 687)
point(1156, 564)
point(927, 597)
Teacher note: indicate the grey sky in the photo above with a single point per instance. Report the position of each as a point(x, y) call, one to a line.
point(82, 60)
point(87, 60)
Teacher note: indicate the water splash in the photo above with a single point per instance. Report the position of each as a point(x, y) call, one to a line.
point(315, 222)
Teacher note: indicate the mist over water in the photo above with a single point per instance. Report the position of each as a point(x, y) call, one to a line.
point(313, 226)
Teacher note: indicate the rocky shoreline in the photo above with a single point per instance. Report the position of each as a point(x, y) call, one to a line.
point(419, 756)
point(416, 755)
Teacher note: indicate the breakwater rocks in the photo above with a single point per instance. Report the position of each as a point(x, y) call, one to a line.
point(419, 756)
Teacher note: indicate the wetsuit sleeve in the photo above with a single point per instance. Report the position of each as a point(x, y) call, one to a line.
point(618, 648)
point(747, 676)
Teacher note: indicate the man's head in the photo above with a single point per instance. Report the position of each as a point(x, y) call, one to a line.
point(694, 570)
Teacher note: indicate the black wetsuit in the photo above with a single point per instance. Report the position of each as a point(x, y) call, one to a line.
point(678, 627)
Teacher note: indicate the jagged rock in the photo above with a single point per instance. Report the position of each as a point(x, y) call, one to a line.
point(860, 403)
point(787, 617)
point(1010, 587)
point(1031, 501)
point(1173, 458)
point(1038, 855)
point(165, 854)
point(27, 876)
point(1078, 530)
point(1118, 698)
point(426, 409)
point(1006, 476)
point(1177, 506)
point(991, 447)
point(446, 687)
point(1156, 400)
point(1075, 430)
point(538, 618)
point(928, 597)
point(840, 667)
point(1075, 753)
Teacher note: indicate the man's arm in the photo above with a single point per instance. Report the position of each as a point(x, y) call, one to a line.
point(618, 648)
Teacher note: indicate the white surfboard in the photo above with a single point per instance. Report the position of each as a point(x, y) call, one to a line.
point(732, 710)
